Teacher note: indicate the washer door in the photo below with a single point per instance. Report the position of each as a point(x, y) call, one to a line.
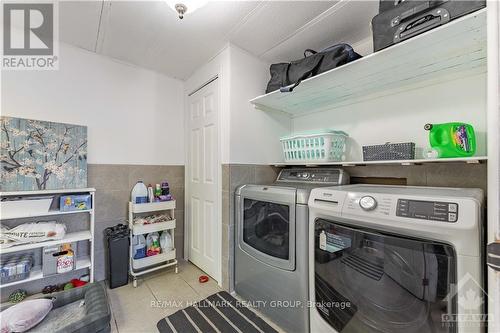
point(266, 224)
point(368, 281)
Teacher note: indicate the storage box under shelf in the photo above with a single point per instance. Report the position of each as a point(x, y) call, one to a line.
point(153, 260)
point(141, 229)
point(37, 274)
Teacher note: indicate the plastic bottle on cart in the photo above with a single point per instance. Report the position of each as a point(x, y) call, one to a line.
point(139, 246)
point(153, 244)
point(165, 189)
point(166, 242)
point(139, 193)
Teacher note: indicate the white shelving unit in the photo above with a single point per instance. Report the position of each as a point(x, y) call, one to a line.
point(454, 50)
point(163, 260)
point(469, 160)
point(82, 262)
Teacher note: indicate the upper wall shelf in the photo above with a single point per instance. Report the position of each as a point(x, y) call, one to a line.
point(468, 160)
point(454, 50)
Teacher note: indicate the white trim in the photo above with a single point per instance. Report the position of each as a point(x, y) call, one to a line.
point(43, 192)
point(493, 137)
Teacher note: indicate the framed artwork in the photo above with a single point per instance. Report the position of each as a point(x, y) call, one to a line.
point(42, 155)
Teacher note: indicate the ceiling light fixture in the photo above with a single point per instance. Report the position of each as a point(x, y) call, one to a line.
point(184, 6)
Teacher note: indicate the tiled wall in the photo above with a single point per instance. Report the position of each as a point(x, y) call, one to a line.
point(433, 174)
point(233, 175)
point(113, 184)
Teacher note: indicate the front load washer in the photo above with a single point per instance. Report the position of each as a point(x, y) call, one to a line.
point(395, 259)
point(271, 244)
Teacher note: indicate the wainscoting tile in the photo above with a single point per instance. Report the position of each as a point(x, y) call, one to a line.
point(108, 177)
point(149, 174)
point(174, 174)
point(101, 265)
point(111, 205)
point(225, 208)
point(457, 175)
point(226, 276)
point(241, 174)
point(99, 239)
point(225, 177)
point(178, 193)
point(266, 174)
point(179, 244)
point(412, 174)
point(225, 241)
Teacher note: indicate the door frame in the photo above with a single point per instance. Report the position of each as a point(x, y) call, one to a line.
point(218, 161)
point(493, 168)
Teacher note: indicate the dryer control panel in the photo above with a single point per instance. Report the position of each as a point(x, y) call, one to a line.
point(428, 210)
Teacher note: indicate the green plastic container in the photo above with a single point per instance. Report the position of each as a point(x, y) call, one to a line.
point(452, 139)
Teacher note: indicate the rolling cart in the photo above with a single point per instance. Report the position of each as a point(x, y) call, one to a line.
point(162, 260)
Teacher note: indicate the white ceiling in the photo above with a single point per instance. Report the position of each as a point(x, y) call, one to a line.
point(149, 34)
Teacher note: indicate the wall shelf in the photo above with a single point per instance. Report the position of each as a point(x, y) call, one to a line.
point(452, 51)
point(152, 207)
point(49, 213)
point(142, 229)
point(68, 238)
point(36, 272)
point(469, 160)
point(47, 192)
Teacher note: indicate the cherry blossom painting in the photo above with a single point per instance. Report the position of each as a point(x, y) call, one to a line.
point(41, 155)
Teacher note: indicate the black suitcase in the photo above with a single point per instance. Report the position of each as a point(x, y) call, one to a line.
point(399, 20)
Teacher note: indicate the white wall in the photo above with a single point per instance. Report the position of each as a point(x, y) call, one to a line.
point(134, 116)
point(254, 135)
point(401, 117)
point(248, 136)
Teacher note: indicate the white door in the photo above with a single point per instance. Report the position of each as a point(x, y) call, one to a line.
point(202, 174)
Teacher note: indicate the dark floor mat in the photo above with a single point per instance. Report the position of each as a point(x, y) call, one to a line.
point(218, 312)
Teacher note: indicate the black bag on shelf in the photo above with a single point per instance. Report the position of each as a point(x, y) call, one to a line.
point(286, 76)
point(400, 20)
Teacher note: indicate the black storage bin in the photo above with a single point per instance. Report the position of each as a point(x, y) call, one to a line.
point(118, 239)
point(400, 20)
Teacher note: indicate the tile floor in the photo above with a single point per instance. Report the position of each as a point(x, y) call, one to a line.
point(137, 310)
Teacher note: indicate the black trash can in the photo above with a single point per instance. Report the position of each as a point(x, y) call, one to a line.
point(118, 239)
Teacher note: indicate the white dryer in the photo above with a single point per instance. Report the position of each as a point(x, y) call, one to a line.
point(395, 259)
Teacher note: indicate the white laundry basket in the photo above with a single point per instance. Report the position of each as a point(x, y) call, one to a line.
point(325, 146)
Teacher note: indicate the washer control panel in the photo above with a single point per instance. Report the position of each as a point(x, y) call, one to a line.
point(428, 210)
point(302, 175)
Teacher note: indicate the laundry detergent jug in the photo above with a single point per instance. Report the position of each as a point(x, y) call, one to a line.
point(139, 246)
point(452, 139)
point(139, 193)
